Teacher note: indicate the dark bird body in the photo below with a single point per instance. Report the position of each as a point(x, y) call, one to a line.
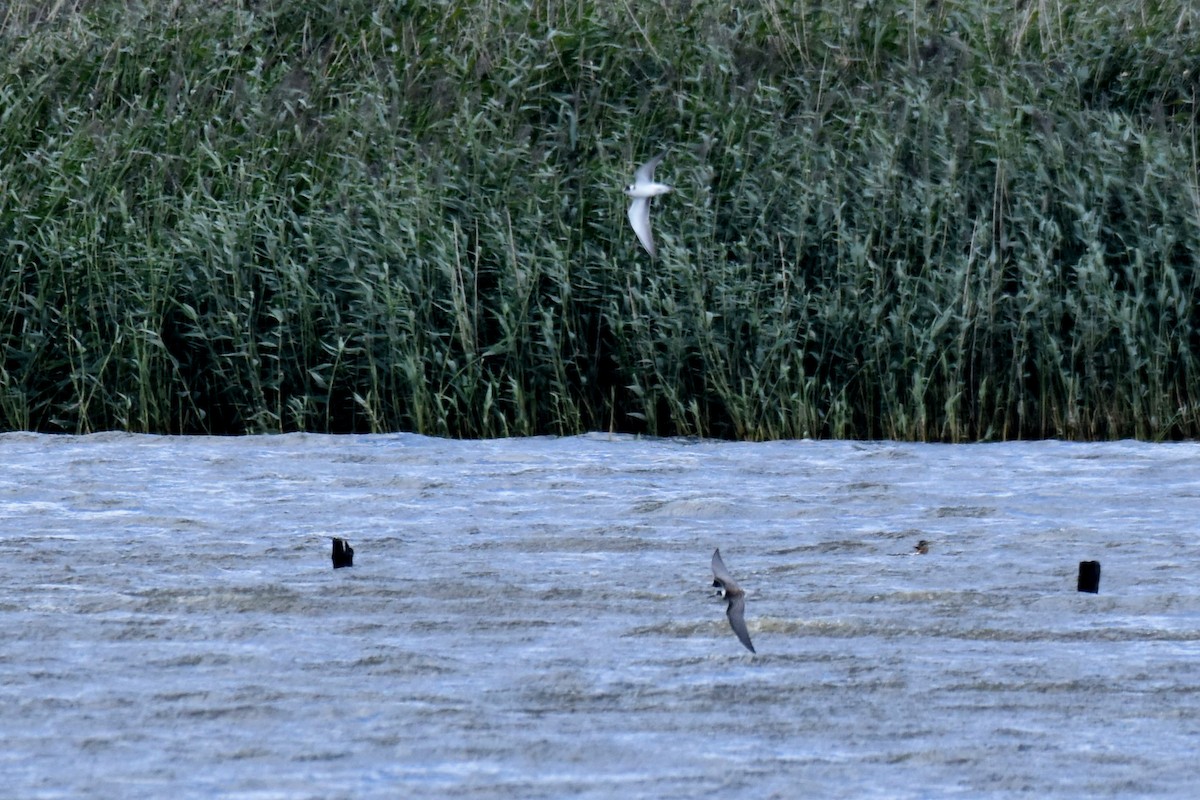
point(734, 597)
point(343, 553)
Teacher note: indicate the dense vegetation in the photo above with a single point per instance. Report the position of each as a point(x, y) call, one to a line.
point(950, 220)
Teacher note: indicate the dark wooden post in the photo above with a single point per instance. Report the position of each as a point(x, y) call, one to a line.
point(1089, 576)
point(343, 553)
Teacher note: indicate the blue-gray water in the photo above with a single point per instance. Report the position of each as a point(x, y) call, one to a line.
point(534, 618)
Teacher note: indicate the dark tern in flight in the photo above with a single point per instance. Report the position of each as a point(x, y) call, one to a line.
point(733, 594)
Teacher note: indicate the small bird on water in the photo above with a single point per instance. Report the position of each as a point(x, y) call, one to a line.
point(641, 190)
point(921, 548)
point(735, 597)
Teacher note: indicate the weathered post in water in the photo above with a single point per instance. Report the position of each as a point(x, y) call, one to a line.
point(343, 553)
point(1089, 576)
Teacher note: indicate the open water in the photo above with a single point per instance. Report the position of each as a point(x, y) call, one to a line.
point(534, 618)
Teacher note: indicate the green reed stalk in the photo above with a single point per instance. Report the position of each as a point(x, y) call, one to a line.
point(952, 222)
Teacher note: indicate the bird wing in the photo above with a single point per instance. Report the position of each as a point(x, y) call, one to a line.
point(639, 218)
point(737, 620)
point(719, 570)
point(645, 173)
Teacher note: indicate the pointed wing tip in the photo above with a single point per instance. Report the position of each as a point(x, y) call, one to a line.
point(736, 612)
point(646, 171)
point(639, 220)
point(743, 635)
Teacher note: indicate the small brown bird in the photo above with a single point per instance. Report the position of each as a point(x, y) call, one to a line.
point(922, 547)
point(735, 597)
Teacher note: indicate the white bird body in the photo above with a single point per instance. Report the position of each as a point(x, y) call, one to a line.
point(641, 190)
point(650, 189)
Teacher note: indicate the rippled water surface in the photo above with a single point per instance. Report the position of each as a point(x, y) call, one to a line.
point(534, 618)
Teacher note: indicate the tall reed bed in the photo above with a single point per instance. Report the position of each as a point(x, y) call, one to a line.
point(947, 221)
